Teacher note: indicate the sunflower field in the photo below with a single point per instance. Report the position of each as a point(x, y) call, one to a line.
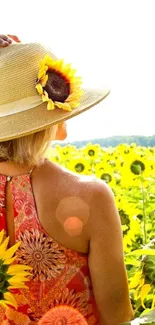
point(130, 172)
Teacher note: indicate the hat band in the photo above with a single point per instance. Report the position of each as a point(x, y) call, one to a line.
point(20, 105)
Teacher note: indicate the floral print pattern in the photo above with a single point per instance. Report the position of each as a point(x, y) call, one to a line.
point(42, 254)
point(63, 315)
point(60, 276)
point(71, 298)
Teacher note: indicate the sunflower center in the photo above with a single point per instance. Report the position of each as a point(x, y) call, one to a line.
point(137, 167)
point(57, 86)
point(126, 151)
point(79, 167)
point(91, 152)
point(106, 177)
point(112, 163)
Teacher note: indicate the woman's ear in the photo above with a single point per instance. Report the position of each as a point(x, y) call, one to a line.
point(61, 133)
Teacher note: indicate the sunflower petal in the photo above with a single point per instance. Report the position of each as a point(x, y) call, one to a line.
point(50, 105)
point(10, 299)
point(45, 97)
point(3, 303)
point(39, 88)
point(71, 73)
point(17, 286)
point(77, 80)
point(74, 104)
point(17, 279)
point(18, 268)
point(136, 293)
point(9, 261)
point(43, 66)
point(43, 80)
point(144, 292)
point(41, 73)
point(47, 59)
point(3, 248)
point(59, 65)
point(1, 235)
point(74, 96)
point(11, 251)
point(135, 280)
point(67, 68)
point(64, 106)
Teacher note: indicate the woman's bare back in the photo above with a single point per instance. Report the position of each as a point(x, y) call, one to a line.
point(63, 202)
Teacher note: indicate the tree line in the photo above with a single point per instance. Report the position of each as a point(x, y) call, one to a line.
point(144, 141)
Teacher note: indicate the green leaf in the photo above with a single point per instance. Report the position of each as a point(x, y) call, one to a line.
point(146, 311)
point(148, 318)
point(132, 262)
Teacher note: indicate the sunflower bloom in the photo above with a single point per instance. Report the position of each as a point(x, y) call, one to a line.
point(58, 85)
point(80, 165)
point(12, 276)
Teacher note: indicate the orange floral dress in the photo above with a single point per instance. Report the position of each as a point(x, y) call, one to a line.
point(60, 276)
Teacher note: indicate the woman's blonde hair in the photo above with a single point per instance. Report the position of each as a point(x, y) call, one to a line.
point(29, 149)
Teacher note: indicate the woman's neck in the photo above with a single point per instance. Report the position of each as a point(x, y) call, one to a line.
point(13, 169)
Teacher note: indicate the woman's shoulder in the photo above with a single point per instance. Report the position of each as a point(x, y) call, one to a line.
point(51, 170)
point(67, 183)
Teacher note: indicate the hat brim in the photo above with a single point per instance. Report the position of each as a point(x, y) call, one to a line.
point(39, 118)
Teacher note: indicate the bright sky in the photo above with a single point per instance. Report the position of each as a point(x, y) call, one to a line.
point(111, 43)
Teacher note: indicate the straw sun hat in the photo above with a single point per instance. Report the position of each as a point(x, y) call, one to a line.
point(37, 91)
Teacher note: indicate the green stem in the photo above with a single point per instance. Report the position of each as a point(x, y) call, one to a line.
point(144, 214)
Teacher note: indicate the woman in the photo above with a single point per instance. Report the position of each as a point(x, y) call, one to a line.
point(68, 225)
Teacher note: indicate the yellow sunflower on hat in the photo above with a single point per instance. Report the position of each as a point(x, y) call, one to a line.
point(58, 85)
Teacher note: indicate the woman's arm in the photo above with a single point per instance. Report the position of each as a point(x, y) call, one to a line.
point(106, 261)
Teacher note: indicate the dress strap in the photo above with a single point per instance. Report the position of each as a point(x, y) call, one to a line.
point(31, 170)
